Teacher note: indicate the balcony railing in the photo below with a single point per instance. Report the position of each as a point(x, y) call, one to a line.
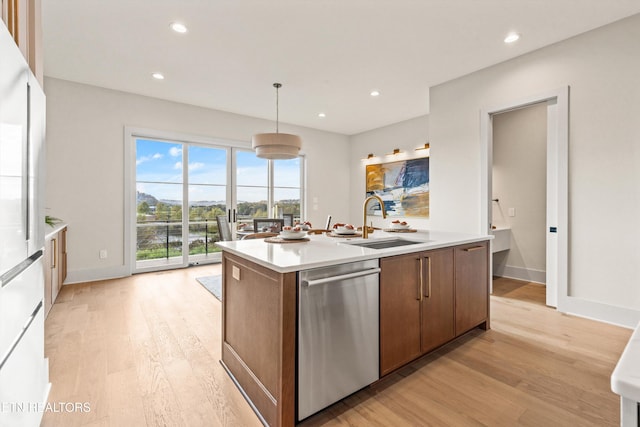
point(163, 239)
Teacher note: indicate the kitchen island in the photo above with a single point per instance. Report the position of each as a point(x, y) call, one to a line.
point(625, 381)
point(430, 292)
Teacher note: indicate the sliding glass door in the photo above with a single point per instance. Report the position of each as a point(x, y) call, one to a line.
point(159, 200)
point(181, 187)
point(207, 197)
point(251, 189)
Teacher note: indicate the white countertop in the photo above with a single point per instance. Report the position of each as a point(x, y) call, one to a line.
point(50, 231)
point(323, 251)
point(625, 379)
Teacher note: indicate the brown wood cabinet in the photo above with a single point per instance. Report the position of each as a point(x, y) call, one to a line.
point(400, 311)
point(438, 299)
point(55, 266)
point(259, 336)
point(416, 306)
point(426, 299)
point(429, 298)
point(23, 20)
point(472, 286)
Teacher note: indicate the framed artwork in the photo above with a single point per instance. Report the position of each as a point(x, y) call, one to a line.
point(402, 185)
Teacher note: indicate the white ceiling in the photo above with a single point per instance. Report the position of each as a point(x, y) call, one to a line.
point(328, 54)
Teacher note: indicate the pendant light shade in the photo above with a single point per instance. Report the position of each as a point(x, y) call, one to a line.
point(276, 145)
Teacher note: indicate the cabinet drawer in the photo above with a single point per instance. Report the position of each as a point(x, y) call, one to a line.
point(18, 299)
point(24, 378)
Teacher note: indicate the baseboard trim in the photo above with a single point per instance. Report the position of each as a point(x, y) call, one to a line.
point(521, 273)
point(93, 275)
point(615, 315)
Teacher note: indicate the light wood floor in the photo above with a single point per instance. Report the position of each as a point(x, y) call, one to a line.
point(144, 351)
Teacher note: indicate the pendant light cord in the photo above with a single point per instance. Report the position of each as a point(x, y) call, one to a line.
point(277, 86)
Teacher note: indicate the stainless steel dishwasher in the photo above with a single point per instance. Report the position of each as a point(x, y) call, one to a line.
point(338, 351)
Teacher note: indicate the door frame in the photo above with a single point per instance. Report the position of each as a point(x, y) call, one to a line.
point(557, 269)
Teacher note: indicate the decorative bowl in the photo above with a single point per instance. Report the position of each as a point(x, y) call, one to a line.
point(399, 225)
point(291, 235)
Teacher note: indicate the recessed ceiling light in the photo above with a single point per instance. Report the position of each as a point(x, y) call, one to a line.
point(512, 37)
point(375, 93)
point(157, 76)
point(178, 27)
point(322, 115)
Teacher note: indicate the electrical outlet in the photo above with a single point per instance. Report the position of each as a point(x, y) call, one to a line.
point(103, 254)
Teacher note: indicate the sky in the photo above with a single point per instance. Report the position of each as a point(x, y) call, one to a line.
point(159, 172)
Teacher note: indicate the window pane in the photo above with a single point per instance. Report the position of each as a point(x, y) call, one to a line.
point(158, 161)
point(288, 201)
point(202, 237)
point(286, 192)
point(286, 173)
point(252, 203)
point(159, 222)
point(156, 241)
point(206, 201)
point(207, 165)
point(158, 202)
point(251, 170)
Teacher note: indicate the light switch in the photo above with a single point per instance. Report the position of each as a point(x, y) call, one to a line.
point(235, 272)
point(512, 211)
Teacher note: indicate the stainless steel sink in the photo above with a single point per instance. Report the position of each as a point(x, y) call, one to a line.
point(384, 244)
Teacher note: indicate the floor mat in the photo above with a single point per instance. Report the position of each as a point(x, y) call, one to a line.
point(213, 284)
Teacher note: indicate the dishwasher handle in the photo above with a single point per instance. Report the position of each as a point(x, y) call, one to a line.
point(343, 277)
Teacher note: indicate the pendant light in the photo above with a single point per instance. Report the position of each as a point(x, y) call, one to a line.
point(276, 145)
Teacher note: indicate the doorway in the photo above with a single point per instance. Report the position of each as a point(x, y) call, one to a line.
point(519, 195)
point(556, 227)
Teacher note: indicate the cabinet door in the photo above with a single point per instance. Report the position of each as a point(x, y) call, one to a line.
point(399, 311)
point(437, 301)
point(471, 286)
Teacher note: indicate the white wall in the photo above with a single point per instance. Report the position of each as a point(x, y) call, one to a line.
point(602, 68)
point(85, 164)
point(407, 136)
point(520, 183)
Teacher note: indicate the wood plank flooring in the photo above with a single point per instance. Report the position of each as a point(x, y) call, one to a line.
point(144, 351)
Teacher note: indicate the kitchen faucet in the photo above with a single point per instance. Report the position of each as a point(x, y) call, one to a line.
point(365, 229)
